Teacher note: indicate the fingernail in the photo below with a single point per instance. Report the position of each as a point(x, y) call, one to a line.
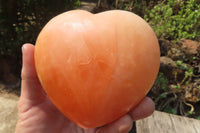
point(23, 48)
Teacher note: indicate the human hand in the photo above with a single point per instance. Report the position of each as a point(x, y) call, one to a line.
point(37, 114)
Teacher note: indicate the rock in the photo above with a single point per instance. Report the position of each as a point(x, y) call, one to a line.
point(167, 66)
point(170, 68)
point(192, 51)
point(164, 46)
point(168, 62)
point(190, 47)
point(185, 50)
point(176, 53)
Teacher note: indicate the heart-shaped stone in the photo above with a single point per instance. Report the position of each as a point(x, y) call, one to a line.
point(96, 67)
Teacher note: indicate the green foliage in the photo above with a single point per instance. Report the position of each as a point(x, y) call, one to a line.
point(180, 65)
point(172, 98)
point(161, 82)
point(22, 20)
point(190, 113)
point(177, 86)
point(176, 19)
point(170, 110)
point(187, 76)
point(137, 6)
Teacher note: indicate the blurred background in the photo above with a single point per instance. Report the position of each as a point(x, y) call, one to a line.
point(175, 22)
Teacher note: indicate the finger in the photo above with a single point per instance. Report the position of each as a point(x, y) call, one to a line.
point(145, 108)
point(31, 89)
point(122, 125)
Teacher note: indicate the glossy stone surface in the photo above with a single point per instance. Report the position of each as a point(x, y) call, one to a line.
point(95, 68)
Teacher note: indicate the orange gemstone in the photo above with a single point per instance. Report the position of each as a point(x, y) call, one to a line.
point(96, 67)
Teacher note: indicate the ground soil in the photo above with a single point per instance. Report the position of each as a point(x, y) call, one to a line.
point(8, 111)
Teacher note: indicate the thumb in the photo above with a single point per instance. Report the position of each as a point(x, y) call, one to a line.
point(31, 89)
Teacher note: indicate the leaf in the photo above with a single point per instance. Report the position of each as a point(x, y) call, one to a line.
point(190, 112)
point(179, 63)
point(171, 110)
point(169, 12)
point(163, 95)
point(187, 82)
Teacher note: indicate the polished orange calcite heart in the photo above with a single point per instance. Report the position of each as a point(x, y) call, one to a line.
point(96, 67)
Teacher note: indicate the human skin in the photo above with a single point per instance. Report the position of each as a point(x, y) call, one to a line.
point(37, 114)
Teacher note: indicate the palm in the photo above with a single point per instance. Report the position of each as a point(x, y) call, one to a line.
point(45, 117)
point(37, 114)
